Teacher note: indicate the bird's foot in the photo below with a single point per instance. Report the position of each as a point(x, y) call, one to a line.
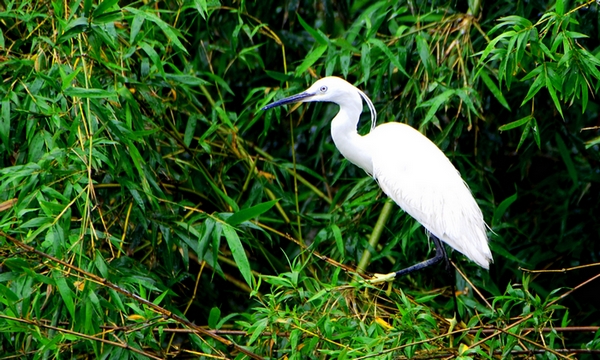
point(379, 278)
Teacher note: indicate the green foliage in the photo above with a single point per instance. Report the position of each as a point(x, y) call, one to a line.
point(142, 189)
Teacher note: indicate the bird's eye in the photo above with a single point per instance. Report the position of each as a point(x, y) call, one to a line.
point(323, 89)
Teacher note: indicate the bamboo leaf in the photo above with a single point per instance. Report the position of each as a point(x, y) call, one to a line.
point(434, 104)
point(516, 124)
point(536, 132)
point(104, 6)
point(238, 253)
point(312, 57)
point(190, 130)
point(502, 208)
point(317, 35)
point(491, 85)
point(566, 156)
point(89, 93)
point(213, 317)
point(65, 292)
point(5, 122)
point(526, 130)
point(339, 241)
point(552, 91)
point(535, 87)
point(250, 213)
point(365, 61)
point(388, 53)
point(166, 28)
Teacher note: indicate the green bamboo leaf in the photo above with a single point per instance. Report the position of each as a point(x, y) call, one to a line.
point(169, 31)
point(546, 51)
point(238, 253)
point(526, 131)
point(552, 91)
point(67, 80)
point(104, 6)
point(75, 27)
point(202, 7)
point(522, 43)
point(584, 96)
point(224, 84)
point(9, 295)
point(536, 132)
point(317, 35)
point(339, 241)
point(65, 292)
point(116, 300)
point(535, 87)
point(557, 41)
point(250, 213)
point(153, 55)
point(331, 60)
point(590, 63)
point(136, 26)
point(576, 35)
point(100, 264)
point(518, 21)
point(593, 142)
point(505, 70)
point(365, 62)
point(566, 156)
point(465, 96)
point(190, 129)
point(213, 317)
point(492, 45)
point(388, 53)
point(186, 79)
point(310, 59)
point(259, 326)
point(434, 104)
point(424, 53)
point(491, 85)
point(559, 6)
point(516, 124)
point(89, 93)
point(37, 222)
point(87, 5)
point(345, 62)
point(5, 122)
point(501, 209)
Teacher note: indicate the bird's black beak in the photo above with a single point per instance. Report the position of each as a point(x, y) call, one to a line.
point(294, 98)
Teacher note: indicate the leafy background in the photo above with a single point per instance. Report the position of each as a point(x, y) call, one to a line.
point(150, 209)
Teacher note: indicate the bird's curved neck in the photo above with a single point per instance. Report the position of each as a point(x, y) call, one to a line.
point(351, 144)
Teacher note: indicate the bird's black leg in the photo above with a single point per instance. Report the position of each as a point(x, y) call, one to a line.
point(440, 253)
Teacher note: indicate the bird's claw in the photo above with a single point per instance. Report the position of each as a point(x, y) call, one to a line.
point(379, 278)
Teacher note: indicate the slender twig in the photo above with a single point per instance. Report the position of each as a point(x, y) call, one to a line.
point(573, 289)
point(472, 286)
point(563, 270)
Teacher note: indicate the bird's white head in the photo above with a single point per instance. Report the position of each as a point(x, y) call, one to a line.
point(330, 89)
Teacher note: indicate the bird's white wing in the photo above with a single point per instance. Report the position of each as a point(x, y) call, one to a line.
point(417, 175)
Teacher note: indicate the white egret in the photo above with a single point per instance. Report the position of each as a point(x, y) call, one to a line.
point(409, 168)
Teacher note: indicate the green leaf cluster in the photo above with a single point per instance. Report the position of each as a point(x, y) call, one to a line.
point(142, 189)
